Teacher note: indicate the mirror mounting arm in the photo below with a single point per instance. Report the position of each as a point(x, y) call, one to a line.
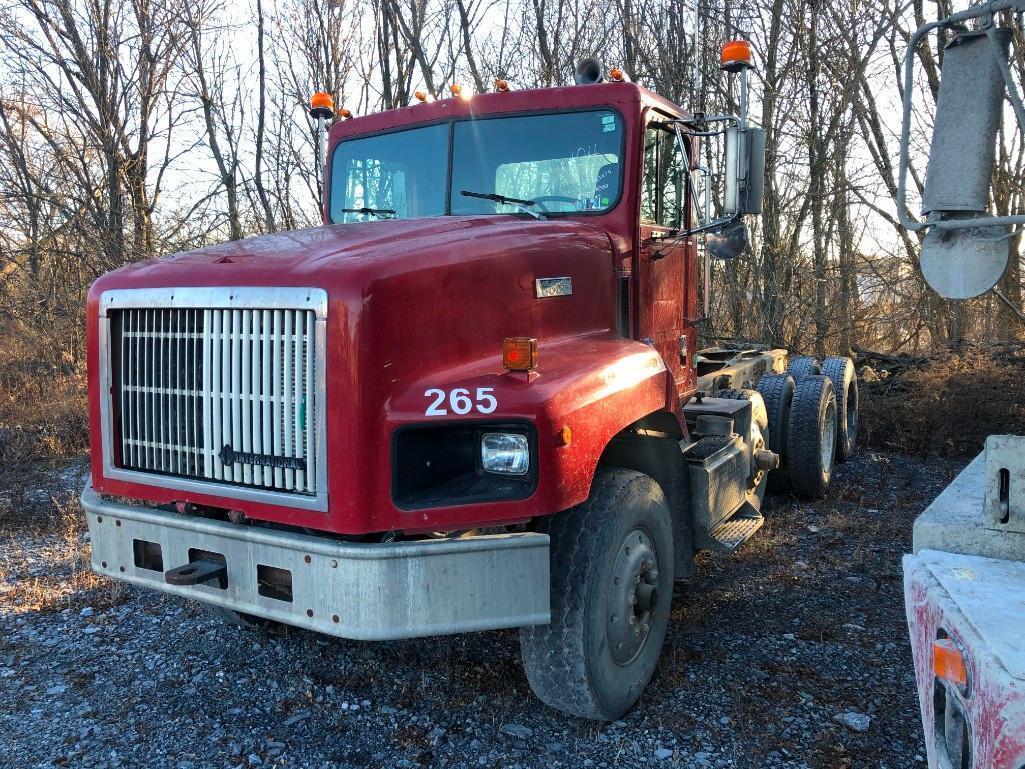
point(717, 224)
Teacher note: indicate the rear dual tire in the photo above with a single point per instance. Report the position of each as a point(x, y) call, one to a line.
point(612, 586)
point(777, 391)
point(845, 387)
point(811, 437)
point(803, 366)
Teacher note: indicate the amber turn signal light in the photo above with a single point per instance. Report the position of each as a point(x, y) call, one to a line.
point(736, 55)
point(948, 662)
point(519, 353)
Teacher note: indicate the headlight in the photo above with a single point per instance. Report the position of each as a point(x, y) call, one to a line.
point(506, 453)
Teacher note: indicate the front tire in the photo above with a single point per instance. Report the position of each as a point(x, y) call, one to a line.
point(612, 586)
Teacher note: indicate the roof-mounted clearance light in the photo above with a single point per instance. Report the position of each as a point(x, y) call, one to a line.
point(344, 113)
point(322, 105)
point(423, 96)
point(736, 55)
point(502, 86)
point(616, 75)
point(459, 92)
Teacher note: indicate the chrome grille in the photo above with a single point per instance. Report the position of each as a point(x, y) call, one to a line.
point(218, 395)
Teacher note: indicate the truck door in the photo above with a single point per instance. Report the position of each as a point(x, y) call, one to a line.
point(666, 293)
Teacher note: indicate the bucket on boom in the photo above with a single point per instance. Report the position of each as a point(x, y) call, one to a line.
point(965, 249)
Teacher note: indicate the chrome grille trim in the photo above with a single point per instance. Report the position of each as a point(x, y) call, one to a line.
point(200, 368)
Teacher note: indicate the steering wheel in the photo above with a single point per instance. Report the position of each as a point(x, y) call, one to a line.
point(540, 200)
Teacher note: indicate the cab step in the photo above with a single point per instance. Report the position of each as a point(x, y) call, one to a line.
point(732, 533)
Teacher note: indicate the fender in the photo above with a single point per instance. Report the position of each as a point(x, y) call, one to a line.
point(595, 385)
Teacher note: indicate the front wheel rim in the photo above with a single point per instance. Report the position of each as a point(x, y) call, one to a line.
point(632, 597)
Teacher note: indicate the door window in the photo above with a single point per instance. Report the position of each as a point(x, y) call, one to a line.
point(662, 193)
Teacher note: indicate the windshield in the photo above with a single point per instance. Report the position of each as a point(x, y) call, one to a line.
point(552, 163)
point(395, 175)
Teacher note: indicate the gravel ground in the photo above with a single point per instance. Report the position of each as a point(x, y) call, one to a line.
point(767, 651)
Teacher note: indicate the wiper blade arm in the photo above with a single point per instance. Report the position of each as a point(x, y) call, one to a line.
point(522, 205)
point(498, 198)
point(380, 213)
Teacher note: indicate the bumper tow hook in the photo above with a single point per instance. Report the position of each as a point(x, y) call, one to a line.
point(197, 573)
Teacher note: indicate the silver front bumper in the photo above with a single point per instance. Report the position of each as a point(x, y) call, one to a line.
point(352, 590)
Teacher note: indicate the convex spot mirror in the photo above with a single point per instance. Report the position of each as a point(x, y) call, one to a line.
point(727, 242)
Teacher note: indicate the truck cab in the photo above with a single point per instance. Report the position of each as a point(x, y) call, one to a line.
point(464, 402)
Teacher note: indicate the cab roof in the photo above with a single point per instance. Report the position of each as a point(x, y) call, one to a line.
point(479, 105)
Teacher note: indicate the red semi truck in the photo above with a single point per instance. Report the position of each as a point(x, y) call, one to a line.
point(470, 400)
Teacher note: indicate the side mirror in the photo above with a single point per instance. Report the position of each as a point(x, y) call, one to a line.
point(728, 242)
point(744, 170)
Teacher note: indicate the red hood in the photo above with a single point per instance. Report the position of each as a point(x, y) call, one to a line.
point(412, 305)
point(316, 256)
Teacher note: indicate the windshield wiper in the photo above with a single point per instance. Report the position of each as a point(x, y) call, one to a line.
point(380, 213)
point(519, 203)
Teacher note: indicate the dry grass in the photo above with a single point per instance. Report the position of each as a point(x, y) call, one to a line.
point(54, 593)
point(39, 500)
point(43, 425)
point(64, 577)
point(946, 407)
point(43, 413)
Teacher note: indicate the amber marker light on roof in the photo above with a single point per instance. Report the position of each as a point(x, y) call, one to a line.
point(322, 100)
point(616, 74)
point(501, 85)
point(948, 662)
point(423, 96)
point(736, 55)
point(519, 353)
point(343, 112)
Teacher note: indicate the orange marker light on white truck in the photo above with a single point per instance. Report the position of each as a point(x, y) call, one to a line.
point(948, 662)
